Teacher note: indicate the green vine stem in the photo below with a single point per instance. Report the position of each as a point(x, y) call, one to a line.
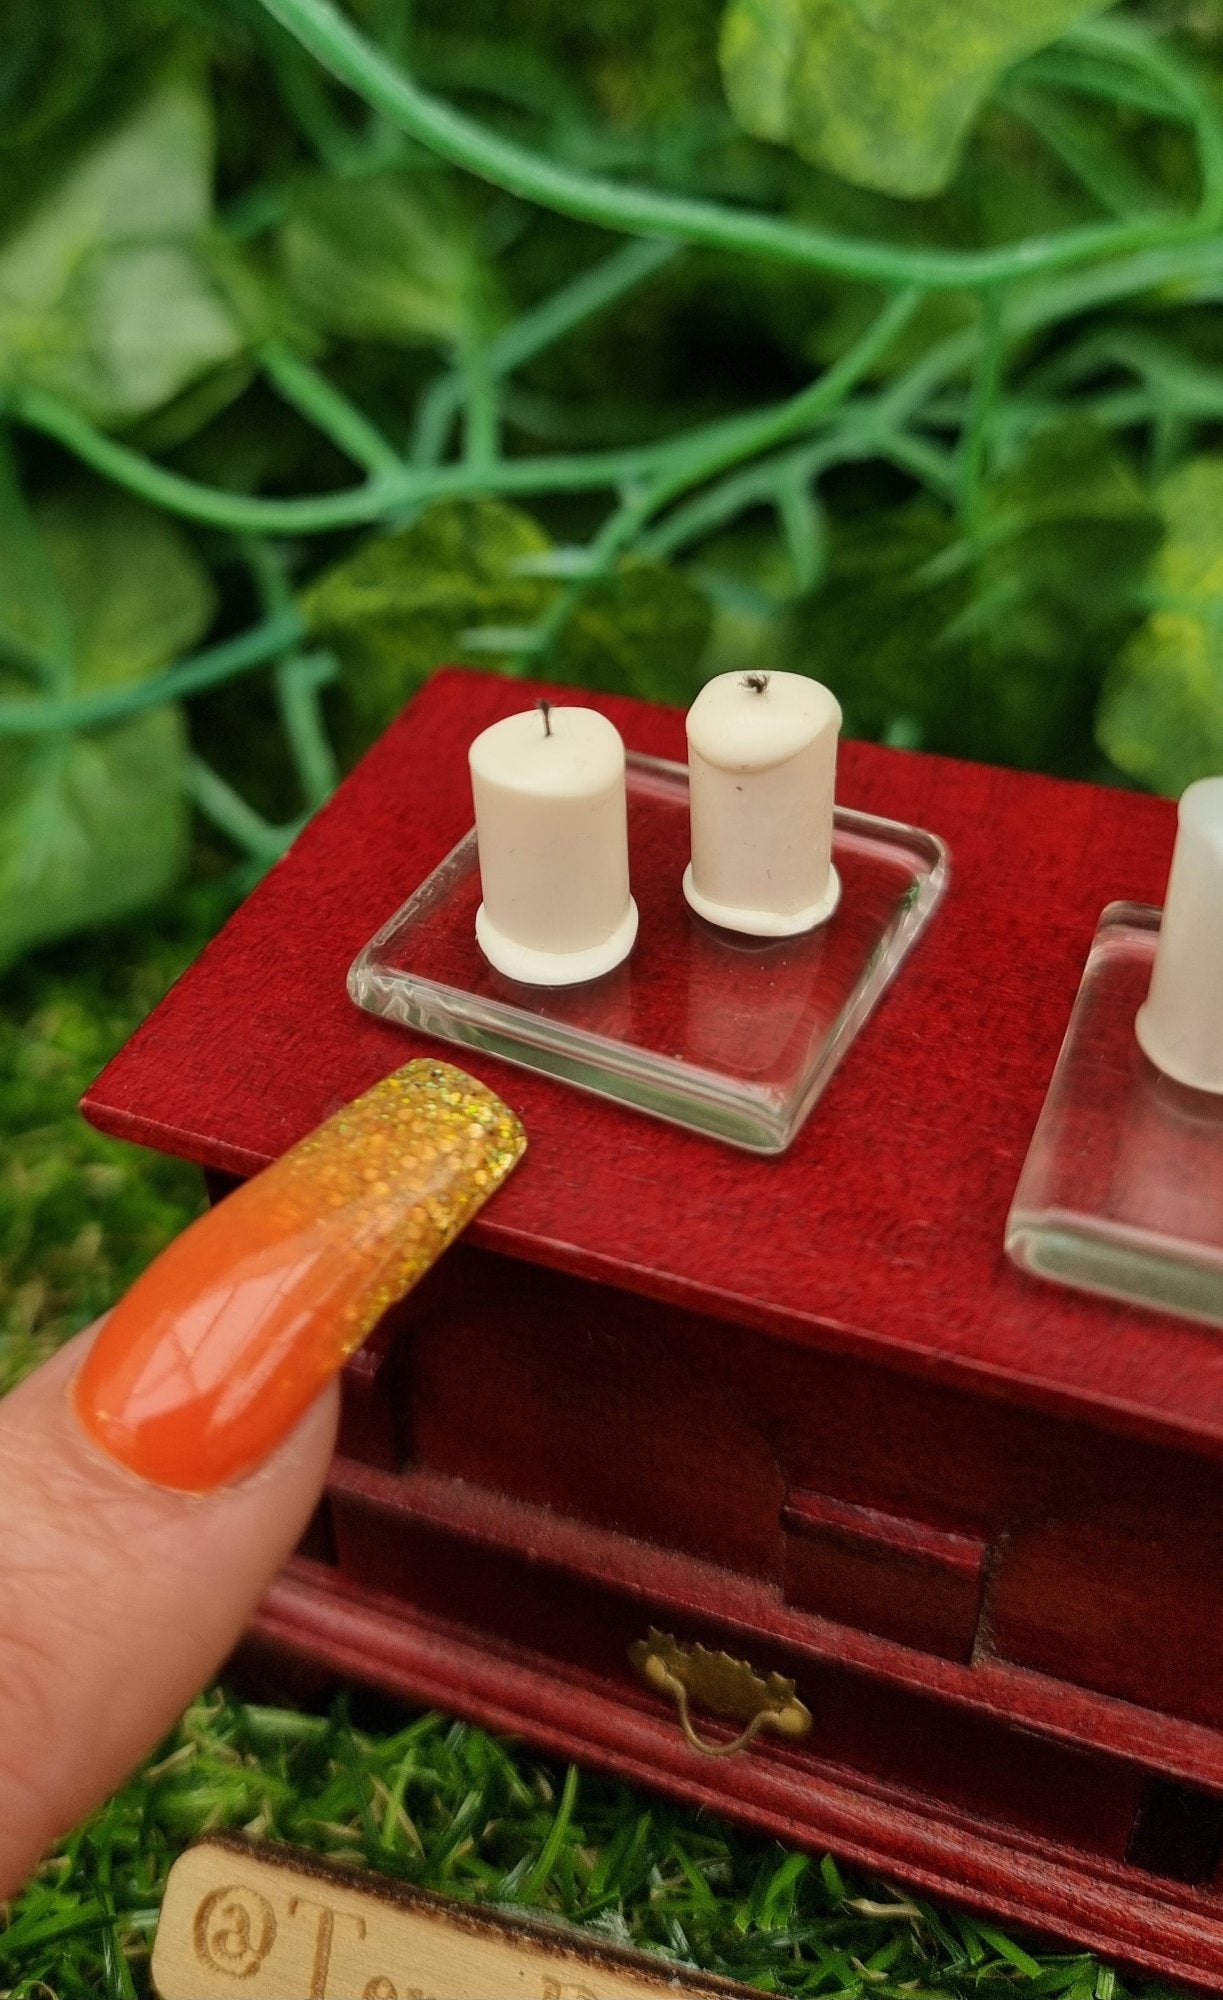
point(223, 662)
point(248, 830)
point(1103, 168)
point(341, 49)
point(1125, 43)
point(764, 482)
point(482, 409)
point(940, 420)
point(986, 385)
point(534, 332)
point(297, 677)
point(380, 499)
point(1063, 297)
point(718, 448)
point(316, 399)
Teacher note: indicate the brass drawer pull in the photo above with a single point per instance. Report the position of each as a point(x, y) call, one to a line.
point(726, 1687)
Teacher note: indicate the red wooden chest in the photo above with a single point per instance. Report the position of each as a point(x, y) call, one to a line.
point(800, 1410)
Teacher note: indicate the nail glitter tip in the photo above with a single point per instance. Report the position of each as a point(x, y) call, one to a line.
point(218, 1350)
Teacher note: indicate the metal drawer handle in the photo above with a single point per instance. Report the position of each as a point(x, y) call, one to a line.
point(726, 1687)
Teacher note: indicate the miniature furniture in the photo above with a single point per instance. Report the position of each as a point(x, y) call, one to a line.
point(666, 1396)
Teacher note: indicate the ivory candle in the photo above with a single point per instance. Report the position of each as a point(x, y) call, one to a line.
point(762, 752)
point(552, 831)
point(1180, 1025)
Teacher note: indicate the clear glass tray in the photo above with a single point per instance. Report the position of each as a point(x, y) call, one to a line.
point(1122, 1189)
point(726, 1034)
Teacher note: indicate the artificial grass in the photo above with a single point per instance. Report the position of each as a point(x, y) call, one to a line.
point(425, 1798)
point(449, 1807)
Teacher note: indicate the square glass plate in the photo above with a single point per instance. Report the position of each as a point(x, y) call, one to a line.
point(729, 1035)
point(1122, 1189)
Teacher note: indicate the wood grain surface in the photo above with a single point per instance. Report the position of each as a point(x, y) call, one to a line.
point(276, 1923)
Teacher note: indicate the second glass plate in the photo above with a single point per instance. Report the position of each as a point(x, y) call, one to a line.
point(728, 1035)
point(1122, 1189)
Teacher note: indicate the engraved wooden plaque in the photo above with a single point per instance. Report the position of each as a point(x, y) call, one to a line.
point(259, 1922)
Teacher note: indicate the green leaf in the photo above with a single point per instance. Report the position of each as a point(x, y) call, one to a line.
point(750, 583)
point(406, 602)
point(881, 92)
point(386, 258)
point(642, 631)
point(1161, 711)
point(872, 632)
point(93, 825)
point(990, 647)
point(1067, 529)
point(133, 590)
point(1070, 526)
point(107, 294)
point(464, 581)
point(91, 828)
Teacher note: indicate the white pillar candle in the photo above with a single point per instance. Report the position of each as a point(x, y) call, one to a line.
point(1180, 1026)
point(552, 830)
point(762, 754)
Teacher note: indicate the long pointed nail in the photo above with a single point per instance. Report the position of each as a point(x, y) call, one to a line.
point(217, 1351)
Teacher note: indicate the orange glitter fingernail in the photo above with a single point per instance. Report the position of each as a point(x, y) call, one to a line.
point(218, 1350)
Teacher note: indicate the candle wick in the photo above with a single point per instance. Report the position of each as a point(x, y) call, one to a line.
point(758, 683)
point(545, 709)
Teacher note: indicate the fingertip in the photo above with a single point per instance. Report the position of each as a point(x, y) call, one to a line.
point(119, 1599)
point(214, 1354)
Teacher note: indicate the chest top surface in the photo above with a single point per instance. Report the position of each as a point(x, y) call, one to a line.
point(880, 1232)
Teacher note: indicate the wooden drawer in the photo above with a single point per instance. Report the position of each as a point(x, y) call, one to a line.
point(954, 1525)
point(595, 1403)
point(902, 1578)
point(578, 1617)
point(1107, 1602)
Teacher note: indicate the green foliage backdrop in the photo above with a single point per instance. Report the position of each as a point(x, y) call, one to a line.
point(878, 342)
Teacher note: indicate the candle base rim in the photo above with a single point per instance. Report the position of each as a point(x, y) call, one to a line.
point(1168, 1066)
point(530, 967)
point(764, 923)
